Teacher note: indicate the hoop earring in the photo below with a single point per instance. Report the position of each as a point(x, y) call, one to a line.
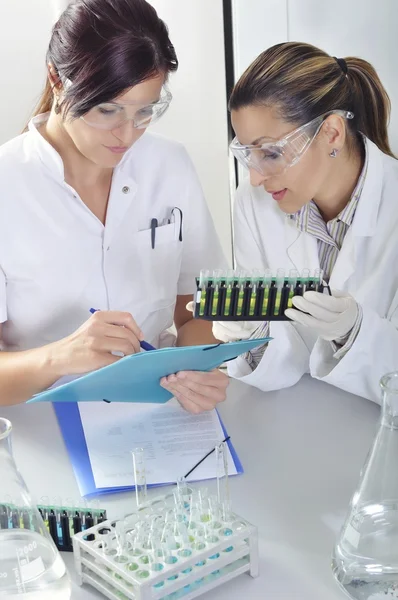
point(333, 153)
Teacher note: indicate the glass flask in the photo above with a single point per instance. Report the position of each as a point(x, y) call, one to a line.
point(365, 558)
point(31, 568)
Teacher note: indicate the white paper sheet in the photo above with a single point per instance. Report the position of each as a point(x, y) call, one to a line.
point(173, 440)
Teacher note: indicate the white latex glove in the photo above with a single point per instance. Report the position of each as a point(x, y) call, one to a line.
point(231, 331)
point(332, 317)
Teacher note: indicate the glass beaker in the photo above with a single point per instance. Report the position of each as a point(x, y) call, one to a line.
point(365, 558)
point(31, 568)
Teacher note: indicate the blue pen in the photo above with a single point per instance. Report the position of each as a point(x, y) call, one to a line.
point(144, 345)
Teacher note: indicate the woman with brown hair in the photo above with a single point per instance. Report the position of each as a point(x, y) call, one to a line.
point(97, 213)
point(323, 193)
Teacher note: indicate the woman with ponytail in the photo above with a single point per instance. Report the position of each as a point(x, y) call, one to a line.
point(323, 193)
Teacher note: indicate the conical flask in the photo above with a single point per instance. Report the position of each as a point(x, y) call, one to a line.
point(31, 568)
point(365, 558)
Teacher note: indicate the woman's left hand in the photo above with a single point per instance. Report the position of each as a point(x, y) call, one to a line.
point(197, 391)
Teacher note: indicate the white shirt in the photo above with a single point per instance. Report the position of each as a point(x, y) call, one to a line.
point(57, 260)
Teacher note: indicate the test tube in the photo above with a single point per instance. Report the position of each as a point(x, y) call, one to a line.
point(318, 280)
point(217, 278)
point(223, 494)
point(280, 279)
point(228, 294)
point(293, 276)
point(203, 280)
point(139, 476)
point(266, 284)
point(239, 287)
point(120, 537)
point(305, 275)
point(255, 278)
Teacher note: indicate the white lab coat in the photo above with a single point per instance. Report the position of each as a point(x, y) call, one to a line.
point(57, 260)
point(367, 268)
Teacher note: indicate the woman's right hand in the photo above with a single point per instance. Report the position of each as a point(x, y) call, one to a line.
point(90, 347)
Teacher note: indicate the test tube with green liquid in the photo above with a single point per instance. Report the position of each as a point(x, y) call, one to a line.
point(318, 278)
point(266, 284)
point(242, 282)
point(305, 276)
point(293, 276)
point(255, 278)
point(203, 279)
point(229, 281)
point(217, 278)
point(280, 280)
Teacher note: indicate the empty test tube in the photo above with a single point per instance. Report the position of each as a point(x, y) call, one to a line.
point(139, 476)
point(223, 493)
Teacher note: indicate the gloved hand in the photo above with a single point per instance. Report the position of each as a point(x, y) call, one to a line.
point(231, 331)
point(332, 317)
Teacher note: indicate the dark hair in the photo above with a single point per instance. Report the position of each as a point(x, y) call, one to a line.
point(303, 82)
point(104, 47)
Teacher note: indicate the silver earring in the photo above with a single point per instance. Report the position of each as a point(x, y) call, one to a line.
point(333, 153)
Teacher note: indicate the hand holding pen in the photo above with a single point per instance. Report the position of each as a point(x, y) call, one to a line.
point(92, 345)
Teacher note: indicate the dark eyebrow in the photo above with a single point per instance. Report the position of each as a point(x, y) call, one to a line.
point(262, 138)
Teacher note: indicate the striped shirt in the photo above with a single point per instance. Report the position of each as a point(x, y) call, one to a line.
point(330, 237)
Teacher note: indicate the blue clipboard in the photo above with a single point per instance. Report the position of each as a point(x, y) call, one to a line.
point(70, 423)
point(136, 378)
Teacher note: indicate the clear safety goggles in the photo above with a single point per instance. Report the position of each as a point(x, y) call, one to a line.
point(273, 158)
point(112, 115)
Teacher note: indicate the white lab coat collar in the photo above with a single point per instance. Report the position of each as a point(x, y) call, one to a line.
point(53, 161)
point(305, 253)
point(47, 155)
point(124, 187)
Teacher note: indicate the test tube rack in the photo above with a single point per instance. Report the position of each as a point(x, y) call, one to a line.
point(62, 522)
point(252, 296)
point(195, 567)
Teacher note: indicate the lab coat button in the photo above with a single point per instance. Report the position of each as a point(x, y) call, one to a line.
point(125, 189)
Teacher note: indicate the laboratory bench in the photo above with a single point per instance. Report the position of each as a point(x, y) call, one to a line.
point(302, 449)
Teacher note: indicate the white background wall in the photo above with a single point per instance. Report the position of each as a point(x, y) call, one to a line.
point(363, 28)
point(25, 27)
point(197, 116)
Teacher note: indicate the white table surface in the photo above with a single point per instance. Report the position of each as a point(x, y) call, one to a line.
point(302, 449)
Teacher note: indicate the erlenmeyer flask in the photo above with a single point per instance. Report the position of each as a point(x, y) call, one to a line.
point(365, 558)
point(31, 568)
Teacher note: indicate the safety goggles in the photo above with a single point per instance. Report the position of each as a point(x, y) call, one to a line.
point(273, 158)
point(112, 115)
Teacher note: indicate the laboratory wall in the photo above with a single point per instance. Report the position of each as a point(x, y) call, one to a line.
point(197, 116)
point(363, 28)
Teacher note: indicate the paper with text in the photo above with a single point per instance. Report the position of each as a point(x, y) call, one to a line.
point(173, 440)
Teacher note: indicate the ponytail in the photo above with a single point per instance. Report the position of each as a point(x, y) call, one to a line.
point(371, 103)
point(304, 82)
point(45, 103)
